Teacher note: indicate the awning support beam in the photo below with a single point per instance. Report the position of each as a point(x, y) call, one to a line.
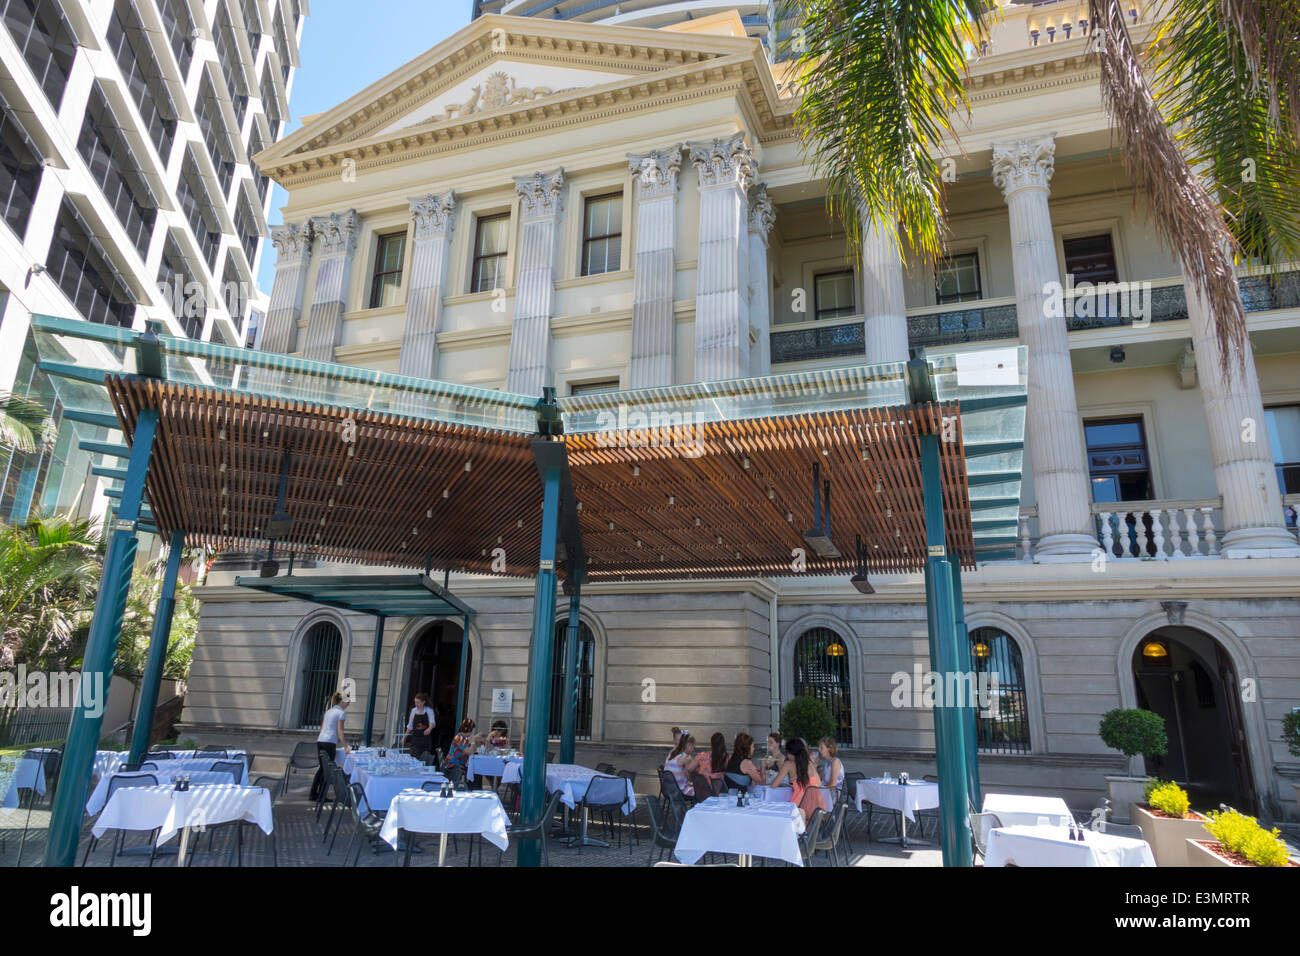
point(569, 726)
point(374, 677)
point(150, 684)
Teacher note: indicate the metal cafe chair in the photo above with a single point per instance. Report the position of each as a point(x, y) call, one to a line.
point(663, 836)
point(606, 768)
point(674, 801)
point(606, 796)
point(159, 755)
point(979, 830)
point(302, 758)
point(538, 829)
point(365, 820)
point(849, 794)
point(233, 767)
point(276, 786)
point(122, 781)
point(810, 836)
point(704, 787)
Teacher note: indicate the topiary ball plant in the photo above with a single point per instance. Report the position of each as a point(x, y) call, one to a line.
point(809, 718)
point(1291, 732)
point(1134, 732)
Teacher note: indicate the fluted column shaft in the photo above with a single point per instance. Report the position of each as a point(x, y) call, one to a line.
point(1243, 462)
point(762, 215)
point(434, 218)
point(882, 294)
point(292, 243)
point(655, 272)
point(726, 168)
point(337, 243)
point(1023, 171)
point(542, 204)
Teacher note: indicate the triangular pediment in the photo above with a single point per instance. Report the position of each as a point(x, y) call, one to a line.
point(501, 69)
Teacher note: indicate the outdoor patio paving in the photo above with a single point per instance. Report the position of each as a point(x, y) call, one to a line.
point(299, 844)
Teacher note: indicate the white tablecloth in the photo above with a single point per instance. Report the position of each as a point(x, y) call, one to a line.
point(1019, 810)
point(30, 774)
point(380, 788)
point(192, 765)
point(197, 777)
point(110, 761)
point(169, 811)
point(467, 812)
point(763, 828)
point(572, 790)
point(488, 765)
point(917, 795)
point(8, 783)
point(1052, 846)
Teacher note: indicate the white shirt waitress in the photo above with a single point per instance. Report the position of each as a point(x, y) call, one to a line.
point(330, 737)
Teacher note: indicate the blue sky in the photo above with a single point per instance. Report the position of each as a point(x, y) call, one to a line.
point(346, 46)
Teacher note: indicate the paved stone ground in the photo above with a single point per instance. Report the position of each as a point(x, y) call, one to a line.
point(298, 843)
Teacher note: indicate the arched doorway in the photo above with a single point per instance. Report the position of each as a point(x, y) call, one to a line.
point(1185, 676)
point(435, 669)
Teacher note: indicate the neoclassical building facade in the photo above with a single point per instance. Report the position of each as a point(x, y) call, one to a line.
point(537, 203)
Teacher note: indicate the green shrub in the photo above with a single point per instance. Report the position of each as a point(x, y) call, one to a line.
point(809, 718)
point(1153, 783)
point(1134, 732)
point(1169, 799)
point(1238, 833)
point(1291, 732)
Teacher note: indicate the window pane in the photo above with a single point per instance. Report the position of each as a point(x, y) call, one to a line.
point(834, 295)
point(1107, 434)
point(492, 235)
point(821, 670)
point(1090, 258)
point(957, 279)
point(996, 658)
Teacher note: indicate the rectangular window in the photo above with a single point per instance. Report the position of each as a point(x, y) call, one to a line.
point(1117, 460)
point(20, 170)
point(1283, 424)
point(490, 238)
point(44, 38)
point(184, 292)
point(387, 283)
point(602, 234)
point(595, 388)
point(113, 165)
point(83, 270)
point(957, 279)
point(834, 295)
point(140, 70)
point(1091, 258)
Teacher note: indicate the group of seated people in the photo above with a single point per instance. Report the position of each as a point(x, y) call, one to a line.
point(466, 743)
point(794, 766)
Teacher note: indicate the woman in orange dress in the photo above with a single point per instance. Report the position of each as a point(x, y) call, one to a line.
point(801, 773)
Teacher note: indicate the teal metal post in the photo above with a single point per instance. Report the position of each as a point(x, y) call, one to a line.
point(153, 668)
point(461, 689)
point(539, 666)
point(968, 711)
point(569, 725)
point(374, 677)
point(101, 649)
point(950, 742)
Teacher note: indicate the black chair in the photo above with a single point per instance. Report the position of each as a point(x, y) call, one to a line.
point(849, 794)
point(606, 796)
point(428, 759)
point(674, 801)
point(456, 774)
point(233, 767)
point(703, 787)
point(121, 781)
point(213, 750)
point(342, 793)
point(663, 837)
point(510, 801)
point(302, 758)
point(738, 781)
point(538, 829)
point(364, 820)
point(606, 768)
point(550, 756)
point(930, 815)
point(832, 829)
point(979, 824)
point(276, 786)
point(811, 836)
point(159, 755)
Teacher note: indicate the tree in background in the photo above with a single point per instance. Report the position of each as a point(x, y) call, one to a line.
point(137, 624)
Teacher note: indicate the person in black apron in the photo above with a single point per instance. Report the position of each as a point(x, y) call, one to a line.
point(419, 726)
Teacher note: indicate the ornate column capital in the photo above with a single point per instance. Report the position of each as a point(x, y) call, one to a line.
point(542, 194)
point(656, 171)
point(1024, 163)
point(762, 214)
point(337, 232)
point(434, 216)
point(292, 243)
point(722, 162)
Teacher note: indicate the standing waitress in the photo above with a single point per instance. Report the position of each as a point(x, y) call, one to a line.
point(419, 726)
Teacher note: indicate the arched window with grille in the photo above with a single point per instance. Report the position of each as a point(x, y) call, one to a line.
point(1005, 730)
point(586, 680)
point(319, 655)
point(821, 670)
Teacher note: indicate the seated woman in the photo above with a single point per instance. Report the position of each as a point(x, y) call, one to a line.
point(832, 767)
point(499, 735)
point(462, 745)
point(713, 763)
point(802, 776)
point(682, 762)
point(741, 762)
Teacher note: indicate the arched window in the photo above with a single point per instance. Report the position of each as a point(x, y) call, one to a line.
point(1002, 726)
point(821, 670)
point(586, 680)
point(322, 647)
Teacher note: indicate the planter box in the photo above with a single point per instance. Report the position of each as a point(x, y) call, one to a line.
point(1123, 791)
point(1199, 854)
point(1168, 837)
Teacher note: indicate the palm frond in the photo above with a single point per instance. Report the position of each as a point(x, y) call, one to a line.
point(22, 423)
point(880, 84)
point(1182, 209)
point(1267, 35)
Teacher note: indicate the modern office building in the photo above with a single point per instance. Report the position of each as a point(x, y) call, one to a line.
point(127, 189)
point(547, 202)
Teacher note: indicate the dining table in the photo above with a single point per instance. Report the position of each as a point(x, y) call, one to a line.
point(381, 786)
point(99, 796)
point(906, 798)
point(171, 811)
point(1017, 809)
point(490, 765)
point(463, 811)
point(762, 828)
point(1051, 846)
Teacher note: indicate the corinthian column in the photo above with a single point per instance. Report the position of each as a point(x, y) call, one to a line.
point(542, 196)
point(655, 270)
point(762, 214)
point(337, 234)
point(435, 217)
point(882, 294)
point(292, 243)
point(1243, 463)
point(1054, 433)
point(726, 168)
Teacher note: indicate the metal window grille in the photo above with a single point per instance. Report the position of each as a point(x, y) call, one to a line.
point(821, 670)
point(321, 650)
point(586, 681)
point(1006, 729)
